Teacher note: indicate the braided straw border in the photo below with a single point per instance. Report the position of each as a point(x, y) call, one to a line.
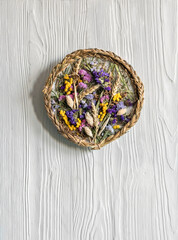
point(76, 56)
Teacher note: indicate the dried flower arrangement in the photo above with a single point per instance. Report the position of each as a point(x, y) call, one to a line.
point(93, 97)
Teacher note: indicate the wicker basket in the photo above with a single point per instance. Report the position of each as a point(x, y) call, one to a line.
point(74, 59)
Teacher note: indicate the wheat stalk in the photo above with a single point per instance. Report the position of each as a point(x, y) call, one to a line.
point(95, 119)
point(87, 91)
point(77, 65)
point(115, 86)
point(75, 97)
point(95, 115)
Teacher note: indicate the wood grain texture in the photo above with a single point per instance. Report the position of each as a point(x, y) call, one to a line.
point(51, 189)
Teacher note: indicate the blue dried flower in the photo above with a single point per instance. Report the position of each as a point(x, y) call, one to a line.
point(52, 101)
point(120, 105)
point(89, 96)
point(110, 128)
point(94, 101)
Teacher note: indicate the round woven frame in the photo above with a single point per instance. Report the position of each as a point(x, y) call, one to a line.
point(73, 57)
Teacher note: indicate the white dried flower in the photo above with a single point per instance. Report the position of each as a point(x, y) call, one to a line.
point(89, 119)
point(88, 132)
point(69, 101)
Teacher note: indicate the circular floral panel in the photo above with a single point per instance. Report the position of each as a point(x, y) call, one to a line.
point(93, 97)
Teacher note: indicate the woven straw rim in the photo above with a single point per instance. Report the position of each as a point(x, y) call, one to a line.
point(73, 57)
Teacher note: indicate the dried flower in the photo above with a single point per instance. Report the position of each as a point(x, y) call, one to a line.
point(102, 78)
point(107, 88)
point(116, 127)
point(113, 109)
point(104, 98)
point(120, 105)
point(87, 77)
point(82, 72)
point(82, 125)
point(122, 117)
point(82, 85)
point(62, 97)
point(88, 90)
point(89, 119)
point(70, 115)
point(53, 102)
point(117, 97)
point(114, 121)
point(89, 96)
point(121, 111)
point(69, 101)
point(110, 128)
point(88, 131)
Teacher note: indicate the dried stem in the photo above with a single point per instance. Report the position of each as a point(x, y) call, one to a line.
point(104, 125)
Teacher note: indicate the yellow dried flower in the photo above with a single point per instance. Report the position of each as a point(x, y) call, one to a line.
point(117, 97)
point(116, 126)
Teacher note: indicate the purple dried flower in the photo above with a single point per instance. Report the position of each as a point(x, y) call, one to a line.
point(112, 110)
point(82, 85)
point(82, 125)
point(70, 116)
point(87, 77)
point(82, 72)
point(109, 110)
point(122, 117)
point(114, 121)
point(82, 116)
point(127, 120)
point(128, 102)
point(101, 77)
point(62, 87)
point(107, 88)
point(104, 98)
point(62, 97)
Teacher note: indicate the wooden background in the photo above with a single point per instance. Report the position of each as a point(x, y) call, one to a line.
point(51, 189)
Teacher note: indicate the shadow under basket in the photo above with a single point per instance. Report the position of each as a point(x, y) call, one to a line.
point(93, 97)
